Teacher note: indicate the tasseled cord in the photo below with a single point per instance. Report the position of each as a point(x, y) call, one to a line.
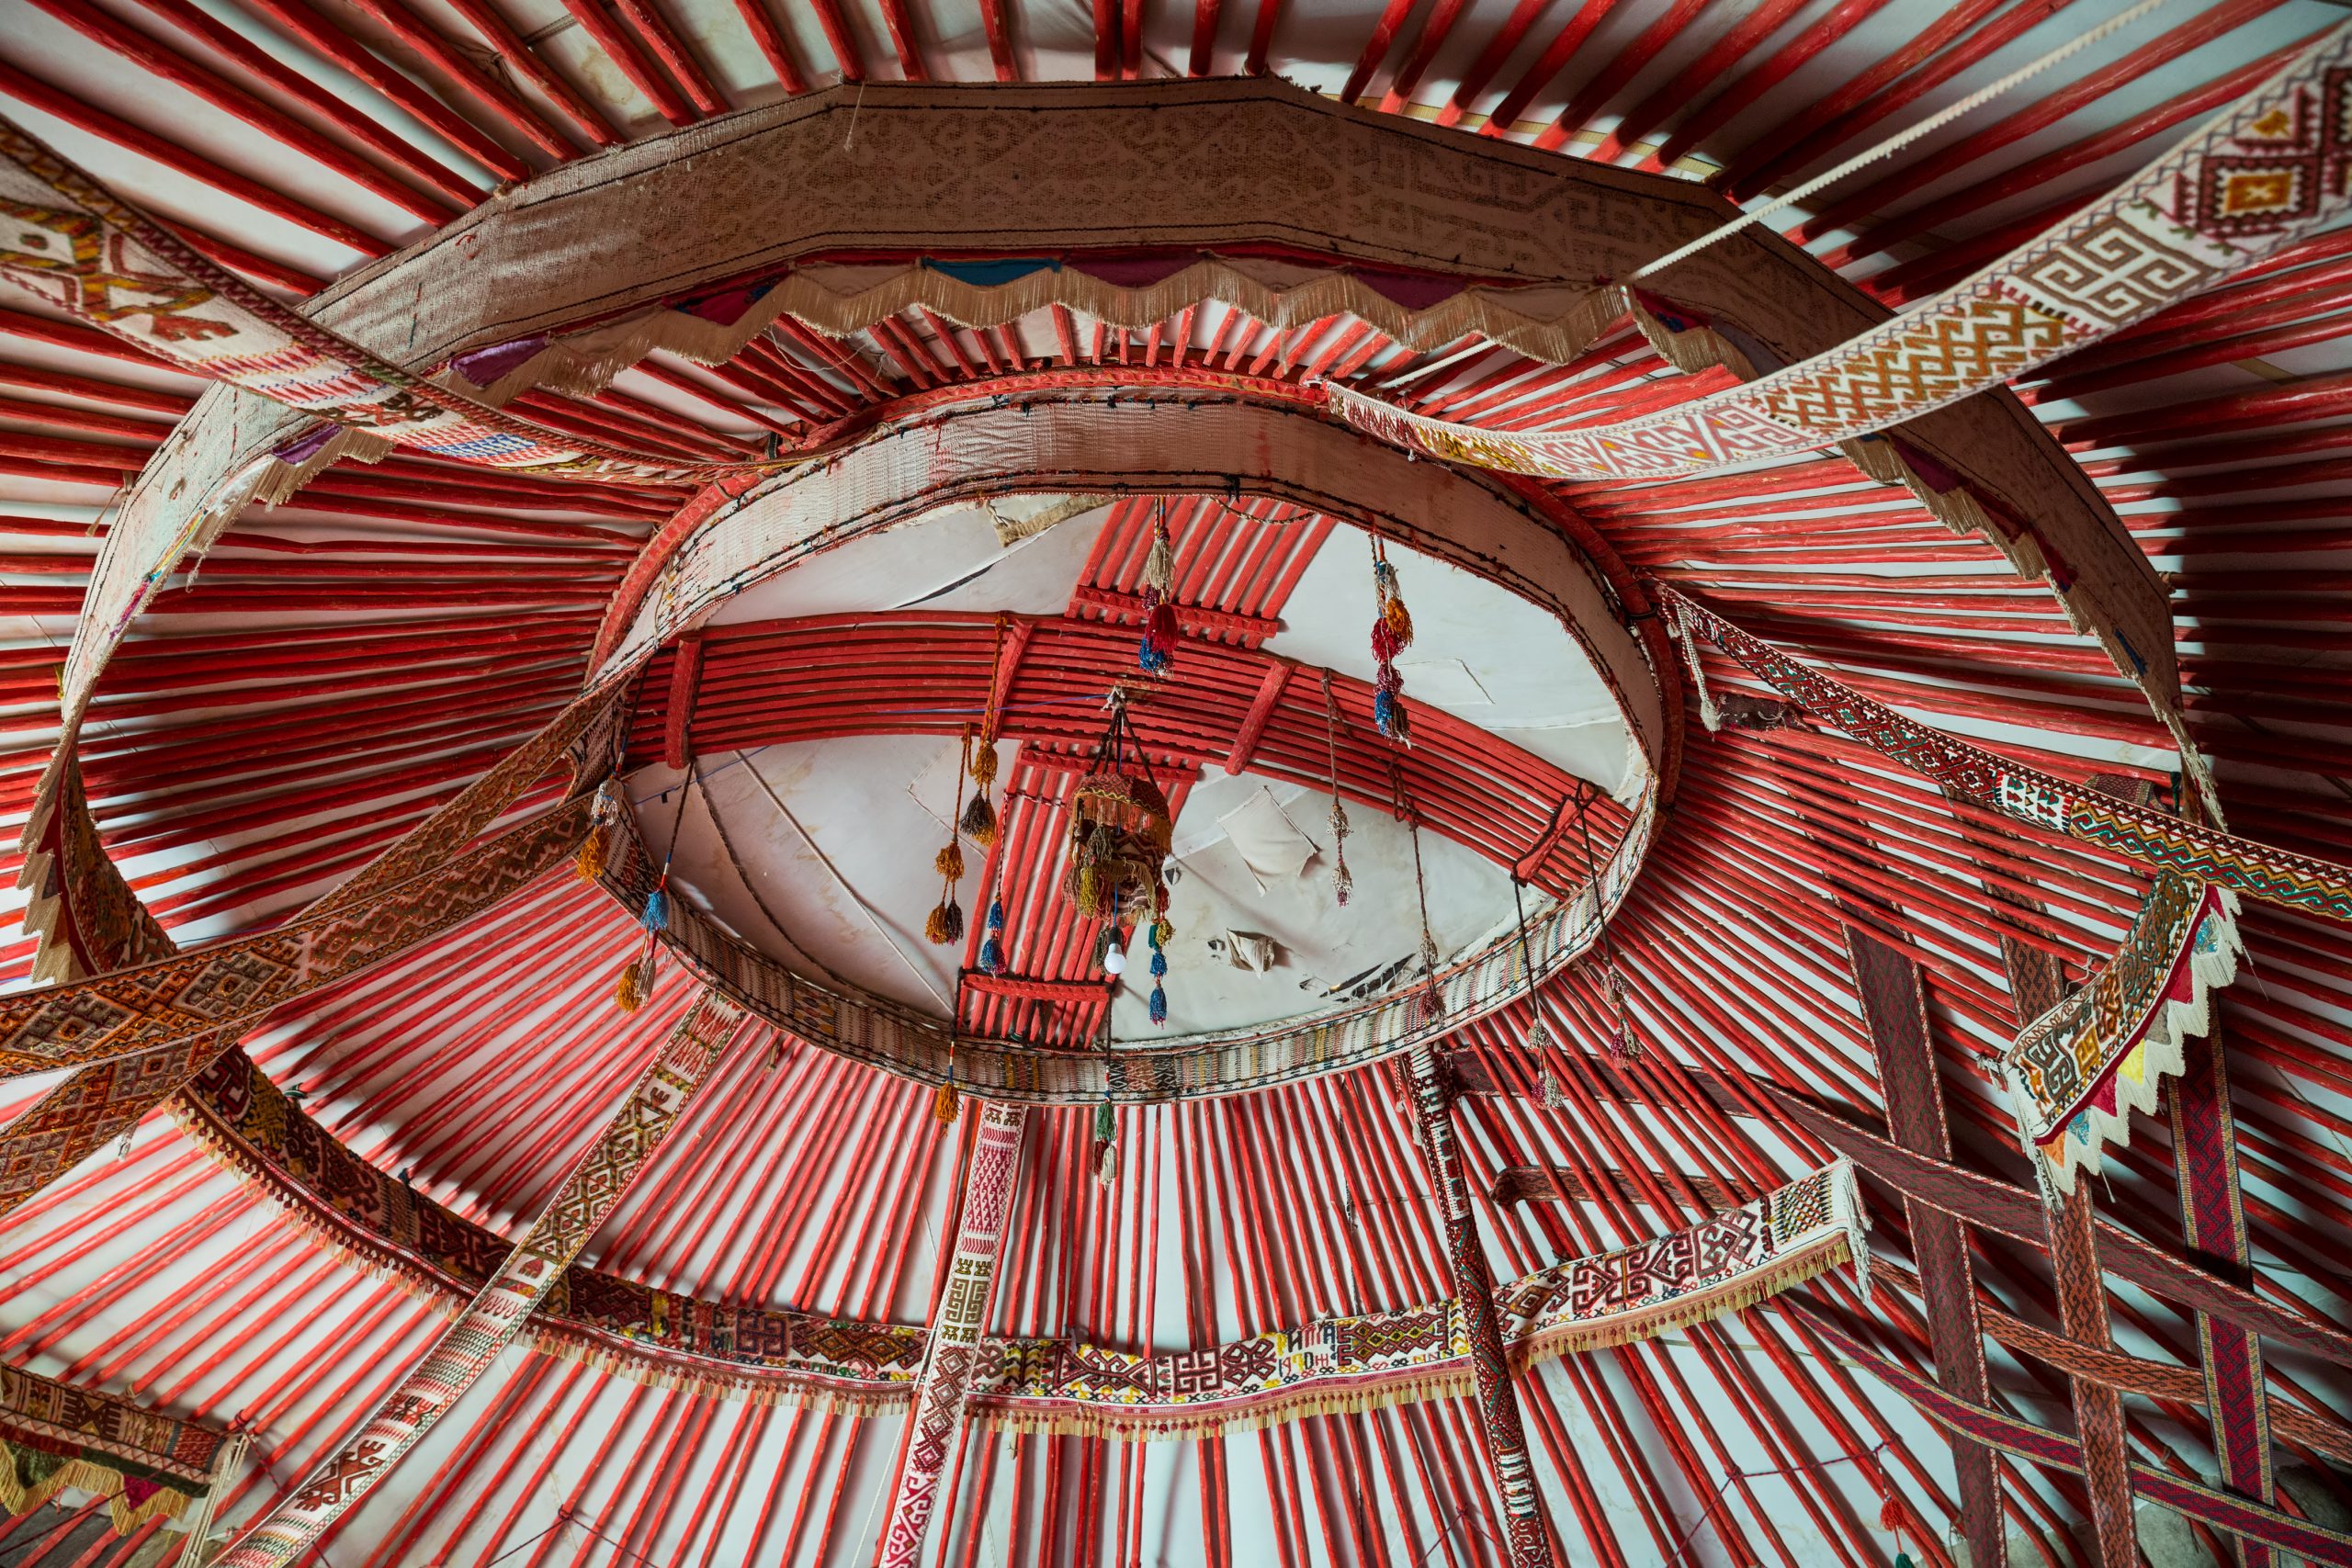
point(1157, 649)
point(635, 983)
point(1392, 633)
point(1342, 882)
point(946, 1102)
point(945, 924)
point(992, 958)
point(1554, 1095)
point(595, 849)
point(978, 821)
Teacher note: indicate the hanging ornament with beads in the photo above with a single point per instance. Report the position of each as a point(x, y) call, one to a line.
point(1157, 651)
point(1120, 830)
point(1392, 634)
point(946, 922)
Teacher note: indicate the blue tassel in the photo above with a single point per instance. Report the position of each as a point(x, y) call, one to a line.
point(992, 947)
point(1160, 1004)
point(657, 910)
point(1158, 962)
point(1383, 709)
point(1150, 659)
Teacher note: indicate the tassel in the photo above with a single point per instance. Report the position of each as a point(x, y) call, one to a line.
point(657, 910)
point(949, 861)
point(1539, 1039)
point(946, 922)
point(1106, 1165)
point(1383, 640)
point(979, 822)
point(629, 993)
point(944, 1104)
point(1106, 1124)
point(1399, 622)
point(1158, 964)
point(992, 949)
point(1890, 1513)
point(1089, 887)
point(1160, 628)
point(1160, 1004)
point(1150, 659)
point(1554, 1095)
point(1159, 566)
point(590, 862)
point(1432, 1003)
point(1162, 930)
point(984, 764)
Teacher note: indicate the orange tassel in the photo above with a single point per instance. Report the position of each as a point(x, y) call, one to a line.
point(950, 861)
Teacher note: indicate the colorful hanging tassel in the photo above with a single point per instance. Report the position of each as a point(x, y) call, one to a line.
point(992, 945)
point(1157, 649)
point(1392, 633)
point(946, 1103)
point(657, 909)
point(629, 991)
point(595, 851)
point(1160, 1004)
point(1106, 1144)
point(979, 822)
point(946, 922)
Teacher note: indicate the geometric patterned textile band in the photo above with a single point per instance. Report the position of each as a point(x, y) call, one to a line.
point(2077, 1072)
point(935, 1430)
point(1728, 1261)
point(145, 1465)
point(2268, 169)
point(649, 1113)
point(1473, 1307)
point(82, 250)
point(232, 983)
point(2139, 833)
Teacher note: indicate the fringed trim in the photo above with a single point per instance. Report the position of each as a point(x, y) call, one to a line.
point(623, 1357)
point(1160, 1422)
point(83, 1473)
point(1782, 1273)
point(281, 480)
point(1011, 531)
point(583, 364)
point(2162, 1048)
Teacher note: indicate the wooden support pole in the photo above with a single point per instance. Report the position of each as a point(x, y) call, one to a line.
point(2212, 1214)
point(1894, 1008)
point(935, 1424)
point(1474, 1286)
point(1253, 724)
